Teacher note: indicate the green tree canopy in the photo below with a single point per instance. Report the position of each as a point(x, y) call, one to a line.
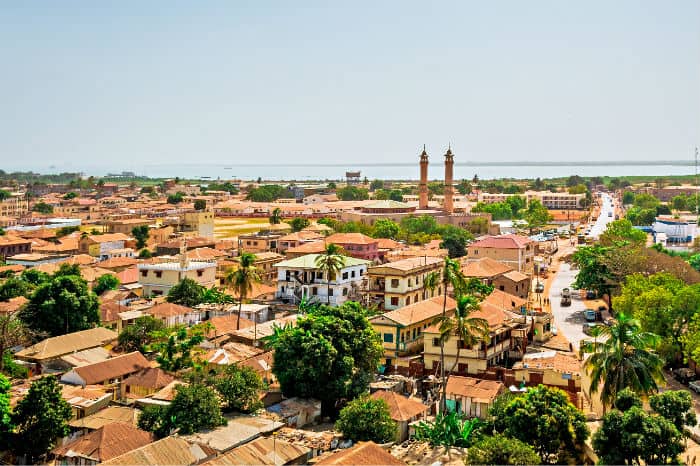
point(200, 204)
point(194, 408)
point(62, 305)
point(239, 388)
point(175, 346)
point(385, 228)
point(267, 193)
point(499, 449)
point(455, 239)
point(105, 282)
point(536, 215)
point(137, 336)
point(299, 223)
point(331, 354)
point(545, 418)
point(352, 193)
point(13, 287)
point(40, 419)
point(622, 230)
point(176, 198)
point(186, 293)
point(141, 233)
point(6, 426)
point(366, 418)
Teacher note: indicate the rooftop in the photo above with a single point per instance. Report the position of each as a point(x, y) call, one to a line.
point(502, 242)
point(479, 390)
point(418, 312)
point(308, 261)
point(77, 341)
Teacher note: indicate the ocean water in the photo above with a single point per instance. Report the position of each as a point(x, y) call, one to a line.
point(407, 172)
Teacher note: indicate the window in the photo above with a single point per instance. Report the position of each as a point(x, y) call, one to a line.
point(159, 274)
point(330, 292)
point(394, 282)
point(345, 275)
point(314, 291)
point(352, 274)
point(414, 333)
point(200, 273)
point(388, 338)
point(362, 271)
point(345, 291)
point(501, 287)
point(144, 273)
point(409, 282)
point(436, 342)
point(394, 301)
point(408, 300)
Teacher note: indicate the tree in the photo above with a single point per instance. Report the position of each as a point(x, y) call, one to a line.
point(677, 407)
point(500, 449)
point(366, 418)
point(276, 217)
point(40, 419)
point(679, 202)
point(62, 305)
point(70, 195)
point(13, 288)
point(267, 193)
point(385, 228)
point(449, 430)
point(176, 198)
point(105, 282)
point(299, 223)
point(646, 201)
point(141, 233)
point(186, 293)
point(630, 435)
point(454, 239)
point(638, 216)
point(625, 360)
point(622, 230)
point(6, 426)
point(42, 208)
point(376, 184)
point(331, 185)
point(536, 215)
point(352, 193)
point(331, 354)
point(137, 336)
point(469, 330)
point(330, 263)
point(145, 254)
point(628, 198)
point(194, 408)
point(574, 180)
point(545, 418)
point(243, 278)
point(176, 345)
point(13, 332)
point(200, 204)
point(240, 388)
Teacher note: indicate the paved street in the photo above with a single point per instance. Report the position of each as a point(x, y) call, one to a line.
point(603, 219)
point(569, 320)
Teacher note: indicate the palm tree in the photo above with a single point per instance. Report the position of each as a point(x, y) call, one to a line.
point(331, 262)
point(626, 359)
point(451, 275)
point(242, 280)
point(431, 281)
point(276, 217)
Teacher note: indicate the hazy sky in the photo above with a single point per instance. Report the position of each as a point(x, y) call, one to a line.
point(136, 83)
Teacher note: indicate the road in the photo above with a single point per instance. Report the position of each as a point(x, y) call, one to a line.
point(569, 320)
point(607, 215)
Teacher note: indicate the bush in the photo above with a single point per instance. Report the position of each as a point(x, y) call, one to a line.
point(500, 449)
point(366, 418)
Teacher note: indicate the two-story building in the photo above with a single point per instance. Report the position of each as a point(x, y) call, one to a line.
point(401, 330)
point(100, 245)
point(400, 283)
point(501, 276)
point(357, 245)
point(157, 279)
point(301, 278)
point(515, 251)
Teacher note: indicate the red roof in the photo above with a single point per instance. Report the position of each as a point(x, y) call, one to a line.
point(502, 242)
point(127, 276)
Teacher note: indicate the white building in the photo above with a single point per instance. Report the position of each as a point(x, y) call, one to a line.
point(301, 278)
point(677, 230)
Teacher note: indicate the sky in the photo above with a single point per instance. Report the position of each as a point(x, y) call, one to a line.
point(132, 84)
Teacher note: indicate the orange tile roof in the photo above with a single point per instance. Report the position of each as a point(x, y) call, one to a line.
point(152, 378)
point(117, 262)
point(362, 453)
point(112, 368)
point(106, 442)
point(169, 450)
point(205, 253)
point(420, 311)
point(553, 360)
point(127, 276)
point(350, 238)
point(504, 300)
point(400, 407)
point(479, 390)
point(109, 237)
point(502, 242)
point(484, 268)
point(224, 325)
point(168, 310)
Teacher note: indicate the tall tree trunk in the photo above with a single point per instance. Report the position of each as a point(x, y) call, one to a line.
point(443, 398)
point(240, 308)
point(328, 291)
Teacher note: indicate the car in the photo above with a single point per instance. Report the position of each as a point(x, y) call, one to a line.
point(684, 375)
point(694, 386)
point(590, 315)
point(590, 294)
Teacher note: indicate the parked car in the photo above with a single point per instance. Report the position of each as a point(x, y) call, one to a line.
point(590, 315)
point(694, 386)
point(684, 375)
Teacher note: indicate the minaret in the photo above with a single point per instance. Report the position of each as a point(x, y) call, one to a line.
point(449, 181)
point(423, 185)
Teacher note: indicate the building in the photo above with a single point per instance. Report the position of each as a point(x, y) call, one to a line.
point(15, 205)
point(262, 241)
point(102, 444)
point(100, 245)
point(515, 251)
point(173, 314)
point(677, 229)
point(507, 341)
point(145, 382)
point(396, 284)
point(169, 450)
point(360, 454)
point(264, 263)
point(502, 277)
point(109, 373)
point(301, 278)
point(551, 200)
point(125, 226)
point(356, 245)
point(472, 397)
point(199, 222)
point(51, 349)
point(402, 410)
point(550, 368)
point(401, 330)
point(158, 278)
point(264, 451)
point(11, 245)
